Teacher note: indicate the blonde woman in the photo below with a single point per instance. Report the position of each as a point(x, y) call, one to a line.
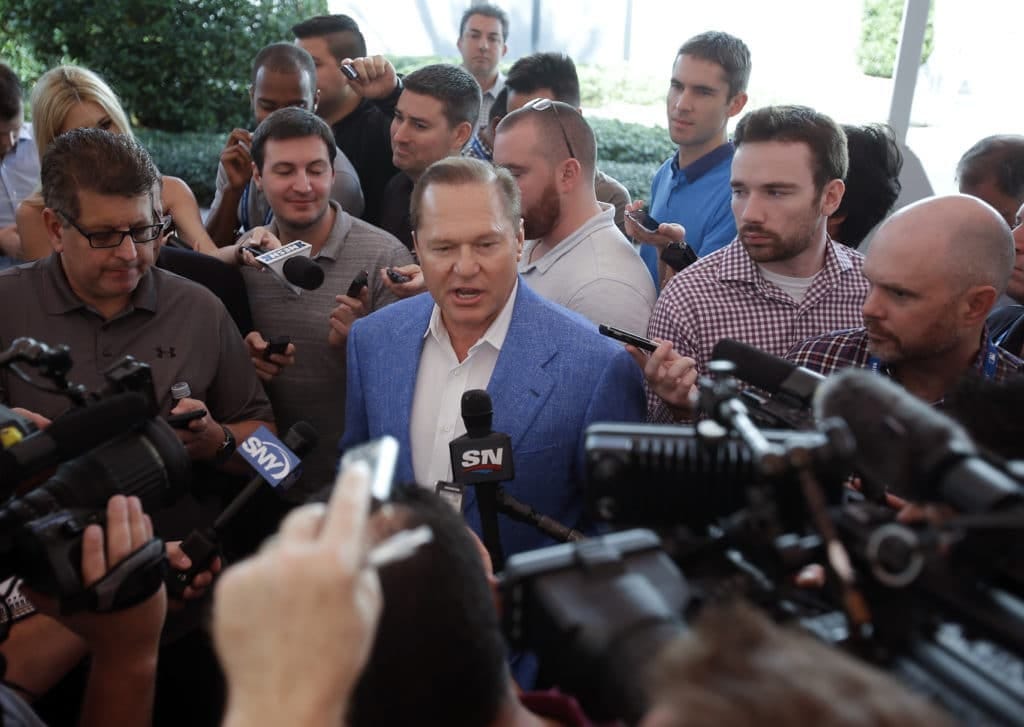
point(71, 97)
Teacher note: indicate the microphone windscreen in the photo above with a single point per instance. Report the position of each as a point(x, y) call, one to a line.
point(73, 434)
point(303, 272)
point(753, 365)
point(901, 441)
point(84, 428)
point(301, 438)
point(477, 412)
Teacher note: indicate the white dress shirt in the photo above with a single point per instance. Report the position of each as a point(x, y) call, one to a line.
point(440, 382)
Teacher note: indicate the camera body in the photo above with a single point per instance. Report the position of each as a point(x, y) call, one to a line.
point(140, 455)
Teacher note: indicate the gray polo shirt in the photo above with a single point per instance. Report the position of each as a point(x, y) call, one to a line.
point(595, 272)
point(177, 327)
point(313, 388)
point(254, 210)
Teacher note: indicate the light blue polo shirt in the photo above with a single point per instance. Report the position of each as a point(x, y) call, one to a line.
point(699, 198)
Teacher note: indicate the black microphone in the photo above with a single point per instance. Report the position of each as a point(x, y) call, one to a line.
point(483, 458)
point(918, 452)
point(201, 545)
point(791, 387)
point(72, 434)
point(777, 376)
point(303, 272)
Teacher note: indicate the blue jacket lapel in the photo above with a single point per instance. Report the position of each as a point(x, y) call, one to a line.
point(402, 366)
point(520, 384)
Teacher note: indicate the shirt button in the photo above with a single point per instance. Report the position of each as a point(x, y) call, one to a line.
point(457, 372)
point(447, 428)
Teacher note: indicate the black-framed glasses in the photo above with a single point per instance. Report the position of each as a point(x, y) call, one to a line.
point(113, 238)
point(543, 104)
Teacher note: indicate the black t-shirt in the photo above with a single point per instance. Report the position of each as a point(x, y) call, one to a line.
point(365, 138)
point(394, 209)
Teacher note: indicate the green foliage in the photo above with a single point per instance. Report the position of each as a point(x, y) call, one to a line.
point(619, 141)
point(880, 34)
point(21, 59)
point(636, 177)
point(599, 85)
point(176, 64)
point(191, 155)
point(603, 86)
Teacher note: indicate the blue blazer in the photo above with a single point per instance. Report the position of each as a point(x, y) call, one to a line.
point(555, 375)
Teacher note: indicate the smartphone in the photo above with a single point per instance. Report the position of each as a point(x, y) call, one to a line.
point(276, 344)
point(358, 283)
point(397, 277)
point(644, 344)
point(381, 456)
point(349, 71)
point(180, 421)
point(644, 219)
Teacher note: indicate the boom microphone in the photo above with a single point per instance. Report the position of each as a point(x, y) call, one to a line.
point(291, 264)
point(916, 451)
point(72, 434)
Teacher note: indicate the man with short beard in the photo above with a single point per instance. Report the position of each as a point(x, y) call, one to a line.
point(782, 279)
point(574, 254)
point(936, 268)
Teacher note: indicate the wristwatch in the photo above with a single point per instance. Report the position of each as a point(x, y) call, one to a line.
point(227, 447)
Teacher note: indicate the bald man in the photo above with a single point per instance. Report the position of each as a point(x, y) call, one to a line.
point(936, 268)
point(574, 254)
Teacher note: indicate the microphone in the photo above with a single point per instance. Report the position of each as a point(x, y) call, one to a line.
point(791, 387)
point(276, 463)
point(483, 457)
point(905, 444)
point(292, 266)
point(72, 434)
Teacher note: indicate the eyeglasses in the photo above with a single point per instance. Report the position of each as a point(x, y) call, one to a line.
point(113, 238)
point(543, 104)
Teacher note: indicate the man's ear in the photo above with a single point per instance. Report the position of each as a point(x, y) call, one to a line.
point(316, 100)
point(831, 196)
point(977, 304)
point(257, 177)
point(416, 245)
point(54, 229)
point(737, 103)
point(463, 133)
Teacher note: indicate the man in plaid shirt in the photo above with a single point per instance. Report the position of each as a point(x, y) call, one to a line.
point(936, 268)
point(782, 279)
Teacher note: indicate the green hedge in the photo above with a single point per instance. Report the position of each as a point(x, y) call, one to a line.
point(191, 155)
point(880, 36)
point(629, 152)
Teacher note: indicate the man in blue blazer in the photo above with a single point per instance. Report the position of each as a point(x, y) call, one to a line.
point(548, 372)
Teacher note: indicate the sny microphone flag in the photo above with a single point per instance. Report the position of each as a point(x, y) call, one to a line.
point(271, 459)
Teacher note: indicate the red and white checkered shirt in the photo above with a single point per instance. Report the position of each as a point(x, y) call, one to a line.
point(724, 295)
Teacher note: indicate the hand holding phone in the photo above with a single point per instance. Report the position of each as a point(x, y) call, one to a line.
point(181, 421)
point(276, 344)
point(397, 277)
point(643, 218)
point(358, 283)
point(381, 456)
point(644, 344)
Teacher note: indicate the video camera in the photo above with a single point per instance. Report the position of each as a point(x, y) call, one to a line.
point(110, 442)
point(740, 511)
